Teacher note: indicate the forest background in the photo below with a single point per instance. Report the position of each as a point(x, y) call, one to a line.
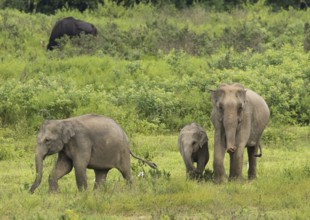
point(151, 68)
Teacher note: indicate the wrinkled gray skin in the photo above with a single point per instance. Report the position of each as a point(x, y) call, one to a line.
point(239, 117)
point(193, 146)
point(88, 141)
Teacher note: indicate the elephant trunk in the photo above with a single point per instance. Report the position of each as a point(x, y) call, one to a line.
point(39, 170)
point(230, 125)
point(188, 159)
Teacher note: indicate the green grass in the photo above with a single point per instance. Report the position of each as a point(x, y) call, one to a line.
point(151, 70)
point(281, 190)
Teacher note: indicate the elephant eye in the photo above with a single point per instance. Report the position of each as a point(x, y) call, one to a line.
point(194, 142)
point(221, 108)
point(47, 140)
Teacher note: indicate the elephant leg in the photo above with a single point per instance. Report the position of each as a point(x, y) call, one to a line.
point(218, 160)
point(218, 166)
point(252, 163)
point(190, 175)
point(231, 164)
point(80, 173)
point(80, 163)
point(100, 177)
point(126, 173)
point(124, 167)
point(191, 170)
point(62, 167)
point(200, 168)
point(201, 164)
point(236, 162)
point(80, 176)
point(236, 158)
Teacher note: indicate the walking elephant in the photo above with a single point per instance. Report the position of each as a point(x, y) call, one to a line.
point(193, 146)
point(71, 27)
point(239, 117)
point(88, 141)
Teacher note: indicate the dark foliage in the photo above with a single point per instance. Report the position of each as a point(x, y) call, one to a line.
point(307, 37)
point(50, 6)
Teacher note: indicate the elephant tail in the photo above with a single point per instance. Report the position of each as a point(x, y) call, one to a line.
point(151, 164)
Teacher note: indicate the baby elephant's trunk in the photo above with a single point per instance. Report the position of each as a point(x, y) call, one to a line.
point(39, 170)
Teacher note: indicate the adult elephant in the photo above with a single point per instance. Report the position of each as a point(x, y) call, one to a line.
point(88, 141)
point(239, 117)
point(71, 27)
point(193, 146)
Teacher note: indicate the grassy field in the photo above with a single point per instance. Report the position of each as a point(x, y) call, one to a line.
point(281, 190)
point(151, 69)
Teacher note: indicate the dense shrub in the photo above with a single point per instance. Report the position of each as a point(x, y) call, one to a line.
point(36, 99)
point(247, 35)
point(152, 73)
point(48, 6)
point(278, 4)
point(307, 37)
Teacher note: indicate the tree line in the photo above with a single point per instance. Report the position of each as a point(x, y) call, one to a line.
point(51, 6)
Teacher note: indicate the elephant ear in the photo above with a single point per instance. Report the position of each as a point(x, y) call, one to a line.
point(215, 96)
point(241, 94)
point(203, 139)
point(180, 143)
point(67, 132)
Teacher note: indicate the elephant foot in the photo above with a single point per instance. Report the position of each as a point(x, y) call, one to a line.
point(219, 180)
point(190, 175)
point(194, 175)
point(53, 190)
point(236, 178)
point(53, 186)
point(219, 175)
point(251, 177)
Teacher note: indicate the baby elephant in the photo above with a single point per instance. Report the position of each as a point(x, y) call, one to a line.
point(88, 141)
point(193, 146)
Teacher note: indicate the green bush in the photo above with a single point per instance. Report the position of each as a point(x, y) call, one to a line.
point(148, 69)
point(36, 99)
point(246, 35)
point(9, 147)
point(307, 37)
point(6, 149)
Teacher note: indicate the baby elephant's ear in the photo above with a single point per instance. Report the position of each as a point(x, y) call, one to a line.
point(203, 139)
point(67, 132)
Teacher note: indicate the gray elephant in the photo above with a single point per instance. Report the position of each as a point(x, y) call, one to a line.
point(88, 141)
point(239, 117)
point(71, 27)
point(193, 146)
